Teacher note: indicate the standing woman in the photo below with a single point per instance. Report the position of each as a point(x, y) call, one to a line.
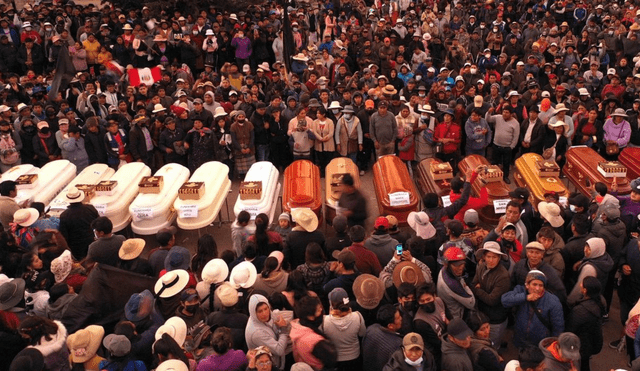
point(555, 143)
point(589, 130)
point(344, 328)
point(348, 134)
point(201, 144)
point(324, 145)
point(265, 330)
point(222, 131)
point(207, 250)
point(243, 141)
point(617, 133)
point(449, 135)
point(585, 320)
point(50, 338)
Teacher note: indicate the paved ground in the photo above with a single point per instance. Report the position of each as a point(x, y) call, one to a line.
point(606, 360)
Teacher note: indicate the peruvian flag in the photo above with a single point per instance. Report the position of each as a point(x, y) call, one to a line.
point(147, 76)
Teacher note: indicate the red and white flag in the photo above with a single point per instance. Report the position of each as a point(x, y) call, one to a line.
point(147, 76)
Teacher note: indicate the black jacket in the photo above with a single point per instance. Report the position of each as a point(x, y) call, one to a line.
point(95, 146)
point(585, 320)
point(357, 204)
point(138, 145)
point(537, 136)
point(75, 227)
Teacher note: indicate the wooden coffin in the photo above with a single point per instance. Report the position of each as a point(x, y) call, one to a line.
point(426, 180)
point(527, 175)
point(582, 171)
point(395, 191)
point(302, 187)
point(497, 190)
point(630, 157)
point(334, 172)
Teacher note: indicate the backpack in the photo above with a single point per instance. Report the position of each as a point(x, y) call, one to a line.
point(9, 155)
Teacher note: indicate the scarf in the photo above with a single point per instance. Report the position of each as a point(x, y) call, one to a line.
point(454, 284)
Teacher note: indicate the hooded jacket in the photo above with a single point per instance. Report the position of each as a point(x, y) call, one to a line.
point(614, 234)
point(276, 282)
point(397, 362)
point(267, 333)
point(344, 333)
point(597, 265)
point(55, 351)
point(552, 360)
point(585, 320)
point(383, 245)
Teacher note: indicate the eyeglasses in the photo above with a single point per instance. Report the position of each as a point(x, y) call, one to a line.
point(263, 364)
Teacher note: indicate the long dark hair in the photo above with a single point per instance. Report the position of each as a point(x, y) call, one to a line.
point(261, 236)
point(38, 328)
point(295, 283)
point(207, 250)
point(168, 348)
point(270, 265)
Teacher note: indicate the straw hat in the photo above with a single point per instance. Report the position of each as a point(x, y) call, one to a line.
point(619, 112)
point(305, 218)
point(227, 294)
point(11, 293)
point(74, 195)
point(172, 365)
point(131, 248)
point(174, 327)
point(215, 271)
point(171, 283)
point(84, 344)
point(420, 222)
point(409, 272)
point(550, 211)
point(489, 246)
point(127, 27)
point(61, 266)
point(264, 66)
point(300, 57)
point(158, 108)
point(219, 112)
point(25, 217)
point(560, 107)
point(243, 275)
point(368, 290)
point(389, 90)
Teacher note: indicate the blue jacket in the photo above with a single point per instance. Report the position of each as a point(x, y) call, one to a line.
point(528, 327)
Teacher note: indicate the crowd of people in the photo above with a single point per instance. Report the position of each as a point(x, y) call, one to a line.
point(418, 80)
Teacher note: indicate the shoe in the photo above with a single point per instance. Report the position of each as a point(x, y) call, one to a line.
point(506, 180)
point(615, 344)
point(361, 172)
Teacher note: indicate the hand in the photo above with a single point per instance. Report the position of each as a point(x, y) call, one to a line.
point(533, 297)
point(614, 187)
point(333, 265)
point(281, 322)
point(186, 146)
point(251, 356)
point(526, 144)
point(266, 125)
point(479, 169)
point(338, 147)
point(360, 147)
point(406, 255)
point(576, 265)
point(377, 145)
point(169, 150)
point(626, 269)
point(367, 135)
point(501, 223)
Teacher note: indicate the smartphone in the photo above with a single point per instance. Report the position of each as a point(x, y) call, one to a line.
point(399, 249)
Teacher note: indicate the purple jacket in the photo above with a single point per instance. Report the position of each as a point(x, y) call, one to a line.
point(242, 46)
point(621, 133)
point(231, 361)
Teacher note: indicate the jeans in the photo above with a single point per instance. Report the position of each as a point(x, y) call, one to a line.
point(262, 152)
point(502, 156)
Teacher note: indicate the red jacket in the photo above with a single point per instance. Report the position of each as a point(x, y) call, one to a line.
point(451, 131)
point(475, 203)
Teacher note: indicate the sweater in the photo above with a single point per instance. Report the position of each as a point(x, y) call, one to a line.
point(383, 246)
point(366, 261)
point(383, 129)
point(506, 133)
point(344, 332)
point(304, 340)
point(378, 345)
point(454, 357)
point(231, 361)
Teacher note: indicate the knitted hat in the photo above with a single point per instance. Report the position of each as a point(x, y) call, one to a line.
point(536, 275)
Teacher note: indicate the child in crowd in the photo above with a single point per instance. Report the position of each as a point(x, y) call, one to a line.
point(284, 225)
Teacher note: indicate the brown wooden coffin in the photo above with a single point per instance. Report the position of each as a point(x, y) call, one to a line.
point(302, 187)
point(391, 179)
point(427, 183)
point(334, 172)
point(582, 171)
point(497, 190)
point(528, 176)
point(630, 157)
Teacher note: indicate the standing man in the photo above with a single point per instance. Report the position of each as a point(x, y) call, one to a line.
point(8, 205)
point(505, 139)
point(352, 203)
point(140, 142)
point(75, 223)
point(383, 130)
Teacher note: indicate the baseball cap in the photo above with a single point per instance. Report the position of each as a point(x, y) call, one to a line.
point(459, 329)
point(346, 257)
point(381, 221)
point(412, 340)
point(519, 193)
point(569, 344)
point(454, 254)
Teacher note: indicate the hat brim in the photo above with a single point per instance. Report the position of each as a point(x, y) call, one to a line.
point(176, 288)
point(33, 216)
point(311, 225)
point(96, 333)
point(139, 246)
point(76, 199)
point(397, 273)
point(253, 275)
point(18, 295)
point(215, 271)
point(367, 283)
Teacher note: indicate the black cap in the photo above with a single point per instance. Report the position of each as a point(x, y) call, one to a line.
point(520, 193)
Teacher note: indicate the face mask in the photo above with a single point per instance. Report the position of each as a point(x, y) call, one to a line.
point(409, 306)
point(415, 363)
point(473, 71)
point(48, 29)
point(610, 33)
point(430, 24)
point(195, 32)
point(418, 78)
point(488, 55)
point(482, 26)
point(295, 29)
point(572, 208)
point(335, 111)
point(29, 129)
point(428, 307)
point(348, 116)
point(424, 117)
point(422, 95)
point(240, 121)
point(192, 308)
point(44, 131)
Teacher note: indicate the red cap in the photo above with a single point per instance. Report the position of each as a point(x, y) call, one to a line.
point(453, 254)
point(552, 76)
point(381, 221)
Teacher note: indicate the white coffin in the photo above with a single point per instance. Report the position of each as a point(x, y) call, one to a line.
point(268, 174)
point(92, 174)
point(196, 214)
point(151, 212)
point(116, 206)
point(53, 176)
